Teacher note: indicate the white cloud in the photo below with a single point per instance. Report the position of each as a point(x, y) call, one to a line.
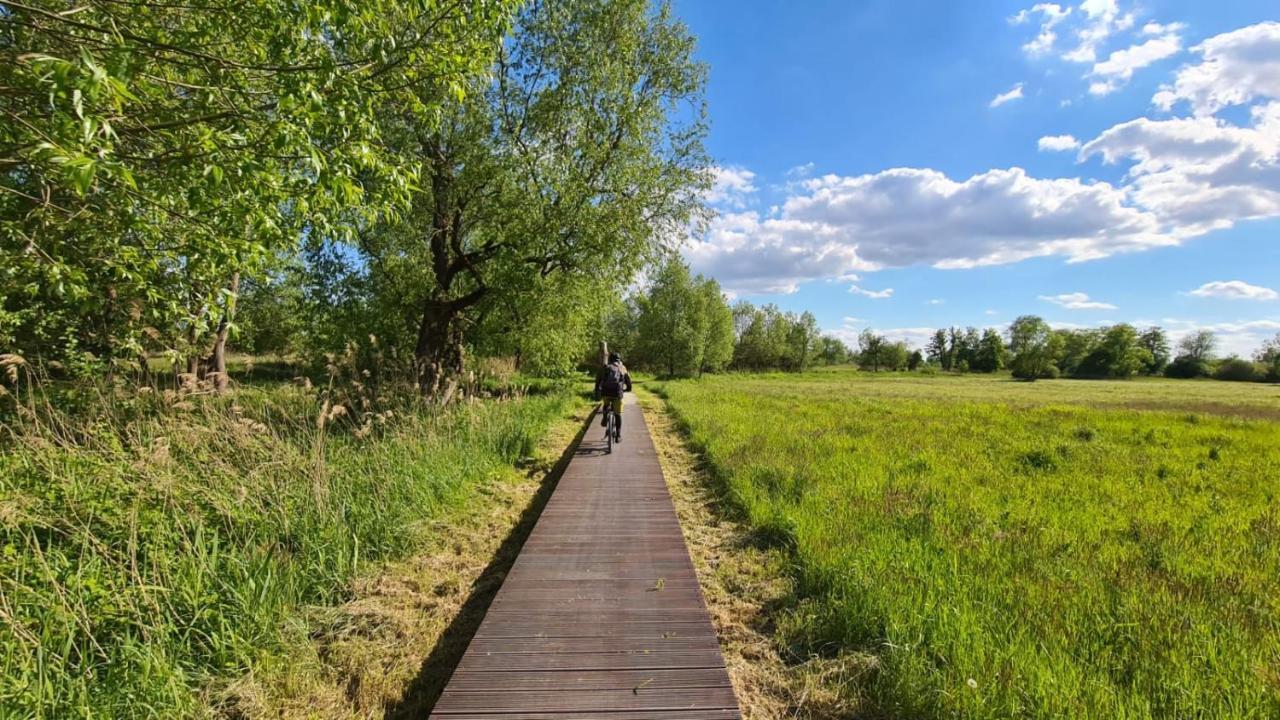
point(1103, 18)
point(936, 301)
point(1119, 67)
point(1235, 68)
point(800, 171)
point(1013, 94)
point(873, 294)
point(1184, 177)
point(731, 186)
point(1234, 290)
point(1058, 143)
point(1077, 301)
point(838, 226)
point(1051, 14)
point(1155, 28)
point(1199, 174)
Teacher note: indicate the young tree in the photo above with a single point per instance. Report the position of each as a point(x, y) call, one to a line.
point(801, 338)
point(1034, 347)
point(991, 352)
point(1199, 345)
point(1269, 357)
point(1195, 353)
point(936, 350)
point(672, 323)
point(915, 360)
point(872, 350)
point(1155, 342)
point(717, 347)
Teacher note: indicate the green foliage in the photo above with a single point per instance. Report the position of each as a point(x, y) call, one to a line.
point(153, 545)
point(875, 352)
point(1008, 550)
point(1155, 342)
point(991, 355)
point(1034, 346)
point(1116, 354)
point(151, 151)
point(1188, 366)
point(717, 347)
point(1237, 369)
point(1268, 356)
point(684, 325)
point(1199, 346)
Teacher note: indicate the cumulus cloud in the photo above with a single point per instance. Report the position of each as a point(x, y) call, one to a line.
point(731, 186)
point(1112, 73)
point(1235, 68)
point(838, 226)
point(1201, 173)
point(1184, 176)
point(1234, 290)
point(1077, 301)
point(1014, 93)
point(749, 254)
point(1058, 143)
point(873, 294)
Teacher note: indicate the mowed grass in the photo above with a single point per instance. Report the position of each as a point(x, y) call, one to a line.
point(154, 548)
point(1005, 549)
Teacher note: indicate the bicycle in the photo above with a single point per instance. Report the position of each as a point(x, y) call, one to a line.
point(612, 430)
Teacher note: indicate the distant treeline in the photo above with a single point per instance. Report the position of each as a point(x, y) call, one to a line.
point(1030, 349)
point(682, 325)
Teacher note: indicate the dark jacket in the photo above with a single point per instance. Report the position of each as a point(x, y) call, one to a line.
point(603, 373)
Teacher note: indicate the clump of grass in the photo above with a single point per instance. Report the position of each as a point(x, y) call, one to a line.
point(933, 524)
point(154, 544)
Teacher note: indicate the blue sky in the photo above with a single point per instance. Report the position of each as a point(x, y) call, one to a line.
point(1098, 162)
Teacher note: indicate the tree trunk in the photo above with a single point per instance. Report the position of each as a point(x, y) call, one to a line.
point(220, 379)
point(439, 353)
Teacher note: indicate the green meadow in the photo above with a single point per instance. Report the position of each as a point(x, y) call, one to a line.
point(996, 549)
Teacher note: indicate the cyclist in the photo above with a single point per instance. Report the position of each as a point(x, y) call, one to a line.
point(611, 382)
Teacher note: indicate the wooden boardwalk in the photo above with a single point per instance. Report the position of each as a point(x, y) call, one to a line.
point(601, 615)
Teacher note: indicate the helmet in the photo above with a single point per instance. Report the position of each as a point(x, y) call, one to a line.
point(614, 357)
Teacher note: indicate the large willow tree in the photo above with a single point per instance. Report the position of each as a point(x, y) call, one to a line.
point(151, 152)
point(578, 160)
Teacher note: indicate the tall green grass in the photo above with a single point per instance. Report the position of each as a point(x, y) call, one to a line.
point(151, 546)
point(1001, 557)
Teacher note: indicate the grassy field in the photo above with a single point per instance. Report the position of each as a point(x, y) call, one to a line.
point(1062, 549)
point(156, 546)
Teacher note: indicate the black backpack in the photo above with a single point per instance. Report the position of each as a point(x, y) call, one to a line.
point(612, 383)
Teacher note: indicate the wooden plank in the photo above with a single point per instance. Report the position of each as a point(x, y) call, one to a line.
point(601, 615)
point(634, 660)
point(602, 714)
point(642, 697)
point(525, 680)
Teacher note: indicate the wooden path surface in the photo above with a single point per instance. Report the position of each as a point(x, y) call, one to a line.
point(601, 615)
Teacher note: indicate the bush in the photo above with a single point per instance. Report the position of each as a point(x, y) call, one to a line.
point(1187, 366)
point(1237, 370)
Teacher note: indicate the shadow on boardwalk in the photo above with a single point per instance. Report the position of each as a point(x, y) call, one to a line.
point(421, 694)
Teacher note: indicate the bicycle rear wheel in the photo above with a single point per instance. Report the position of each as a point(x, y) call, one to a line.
point(610, 420)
